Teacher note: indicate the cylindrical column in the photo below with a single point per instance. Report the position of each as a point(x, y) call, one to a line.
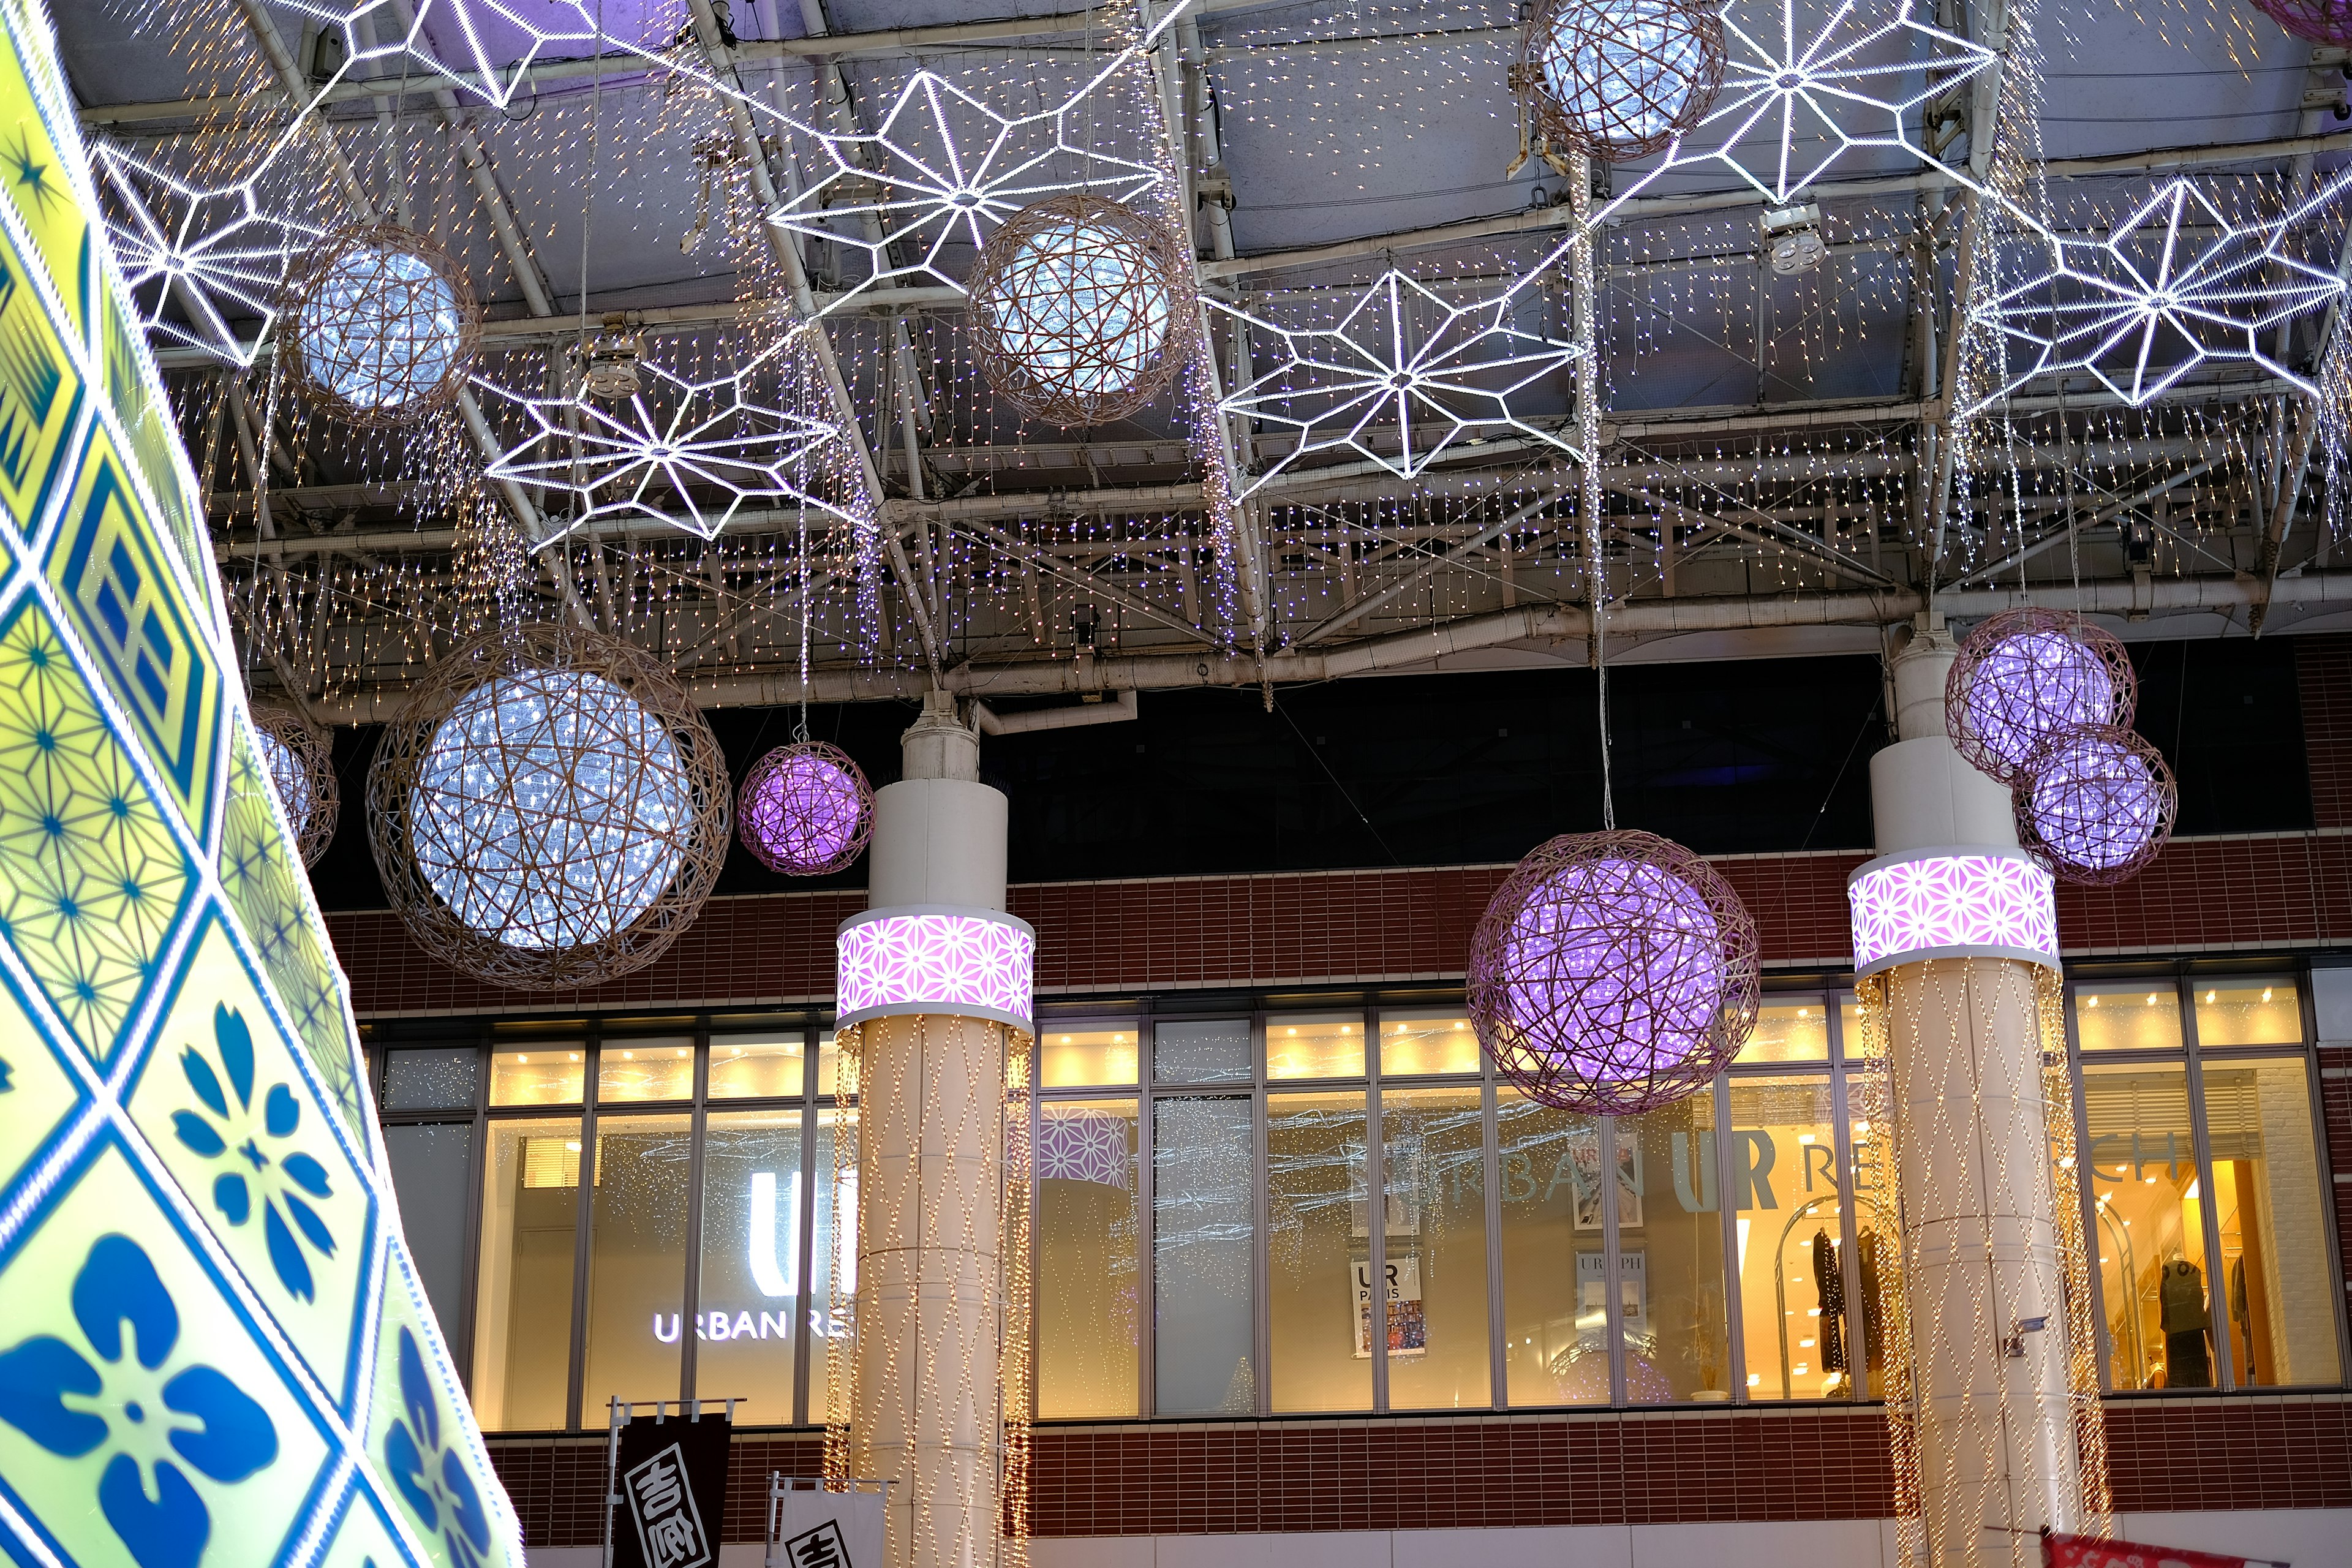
point(1956, 942)
point(935, 982)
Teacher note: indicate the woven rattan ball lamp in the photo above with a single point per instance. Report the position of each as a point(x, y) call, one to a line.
point(2095, 804)
point(806, 809)
point(2025, 675)
point(1082, 310)
point(1619, 80)
point(302, 766)
point(2320, 21)
point(383, 325)
point(550, 811)
point(1613, 972)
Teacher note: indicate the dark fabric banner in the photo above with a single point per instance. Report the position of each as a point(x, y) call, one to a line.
point(672, 1480)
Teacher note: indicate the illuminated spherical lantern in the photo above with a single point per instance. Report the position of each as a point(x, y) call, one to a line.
point(2319, 21)
point(2096, 805)
point(550, 811)
point(2025, 675)
point(1619, 80)
point(1082, 310)
point(383, 325)
point(1613, 973)
point(806, 809)
point(302, 768)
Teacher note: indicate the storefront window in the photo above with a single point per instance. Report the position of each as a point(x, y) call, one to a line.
point(638, 1070)
point(1554, 1287)
point(431, 1079)
point(828, 1065)
point(832, 1312)
point(755, 1067)
point(2249, 1013)
point(2128, 1015)
point(433, 1176)
point(1788, 1032)
point(1434, 1143)
point(522, 1299)
point(1319, 1251)
point(1314, 1046)
point(1414, 1044)
point(1788, 1230)
point(2272, 1237)
point(2149, 1227)
point(748, 1297)
point(1201, 1050)
point(1203, 1236)
point(636, 1260)
point(1101, 1055)
point(1670, 1258)
point(545, 1075)
point(1088, 1259)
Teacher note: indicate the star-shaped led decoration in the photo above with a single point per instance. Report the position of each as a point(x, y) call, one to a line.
point(1404, 377)
point(219, 255)
point(35, 179)
point(689, 454)
point(944, 170)
point(1809, 96)
point(485, 46)
point(2172, 287)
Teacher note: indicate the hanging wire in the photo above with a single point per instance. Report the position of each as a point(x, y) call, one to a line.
point(1588, 420)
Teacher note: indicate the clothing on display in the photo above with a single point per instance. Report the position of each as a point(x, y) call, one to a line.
point(1867, 1247)
point(1831, 1286)
point(2181, 1301)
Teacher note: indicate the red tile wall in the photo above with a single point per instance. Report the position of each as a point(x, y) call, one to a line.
point(2323, 666)
point(1620, 1467)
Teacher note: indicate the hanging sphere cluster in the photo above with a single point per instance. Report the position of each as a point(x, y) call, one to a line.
point(302, 769)
point(1620, 80)
point(806, 809)
point(1081, 309)
point(2044, 702)
point(550, 811)
point(1613, 972)
point(383, 325)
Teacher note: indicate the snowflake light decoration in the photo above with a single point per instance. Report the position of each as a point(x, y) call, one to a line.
point(485, 47)
point(2157, 299)
point(1403, 377)
point(383, 325)
point(679, 451)
point(302, 769)
point(806, 809)
point(942, 170)
point(2096, 804)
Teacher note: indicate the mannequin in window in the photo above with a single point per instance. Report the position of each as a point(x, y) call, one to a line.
point(1830, 1283)
point(1872, 1349)
point(2181, 1301)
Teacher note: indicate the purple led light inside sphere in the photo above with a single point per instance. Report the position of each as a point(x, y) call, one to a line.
point(2025, 675)
point(2321, 21)
point(1613, 973)
point(2097, 805)
point(806, 809)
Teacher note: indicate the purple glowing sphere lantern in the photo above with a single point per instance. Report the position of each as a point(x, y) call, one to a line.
point(2096, 805)
point(806, 809)
point(2320, 21)
point(1613, 973)
point(2025, 675)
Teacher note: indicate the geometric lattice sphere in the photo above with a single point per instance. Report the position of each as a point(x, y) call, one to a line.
point(1619, 80)
point(806, 809)
point(2096, 805)
point(2025, 675)
point(2320, 21)
point(1613, 973)
point(1081, 309)
point(383, 325)
point(550, 811)
point(303, 768)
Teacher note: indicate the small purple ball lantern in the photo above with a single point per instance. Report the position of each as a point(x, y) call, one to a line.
point(2096, 805)
point(2320, 21)
point(806, 809)
point(1613, 972)
point(2025, 675)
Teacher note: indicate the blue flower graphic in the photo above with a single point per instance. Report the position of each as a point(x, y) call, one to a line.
point(151, 1412)
point(238, 1142)
point(432, 1480)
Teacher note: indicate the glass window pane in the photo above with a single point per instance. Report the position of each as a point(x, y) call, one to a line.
point(1670, 1258)
point(1089, 1257)
point(1784, 1191)
point(522, 1295)
point(1857, 1043)
point(2264, 1012)
point(431, 1080)
point(636, 1260)
point(2149, 1227)
point(755, 1067)
point(1201, 1050)
point(1434, 1142)
point(1203, 1223)
point(433, 1176)
point(749, 1298)
point(1100, 1055)
point(1874, 1236)
point(632, 1070)
point(2128, 1015)
point(1413, 1043)
point(1319, 1251)
point(836, 1204)
point(544, 1075)
point(1793, 1030)
point(828, 1063)
point(1555, 1292)
point(2272, 1212)
point(1325, 1045)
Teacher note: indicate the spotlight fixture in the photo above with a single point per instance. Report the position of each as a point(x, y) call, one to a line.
point(1792, 237)
point(612, 368)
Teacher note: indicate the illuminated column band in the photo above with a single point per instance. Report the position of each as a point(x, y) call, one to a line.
point(1976, 901)
point(938, 959)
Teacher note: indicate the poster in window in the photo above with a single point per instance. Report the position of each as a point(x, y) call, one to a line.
point(1408, 1328)
point(1584, 1158)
